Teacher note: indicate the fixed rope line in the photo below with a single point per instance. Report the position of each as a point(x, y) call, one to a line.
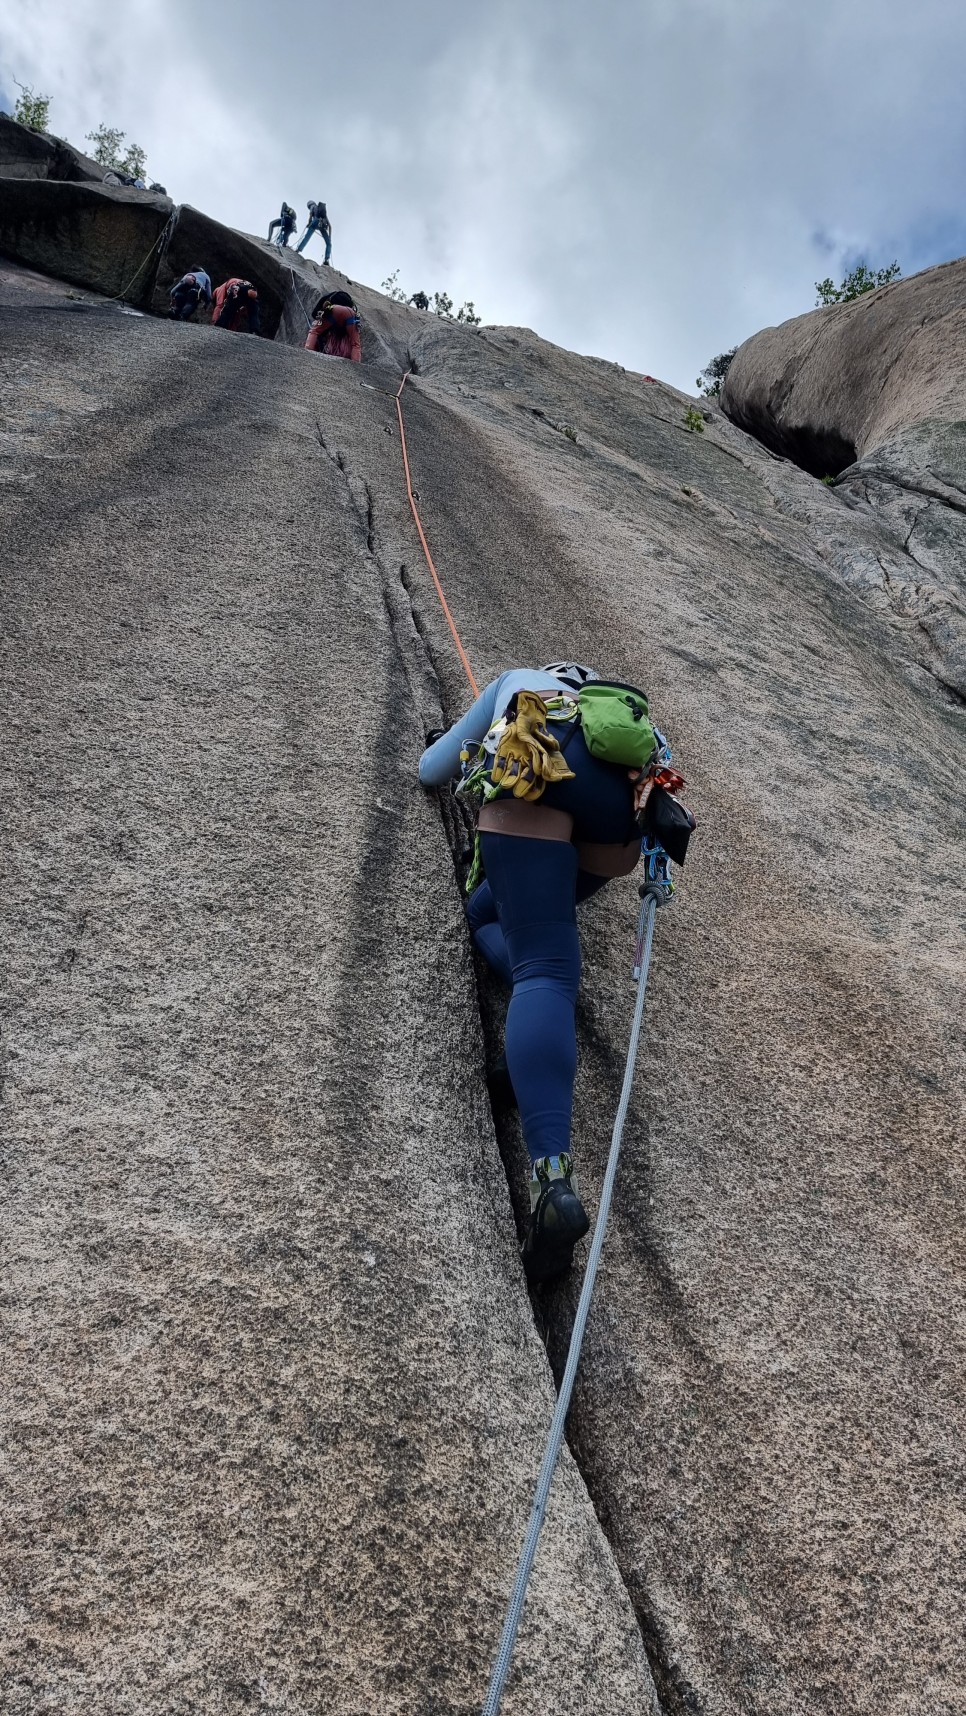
point(120, 296)
point(464, 658)
point(652, 898)
point(298, 298)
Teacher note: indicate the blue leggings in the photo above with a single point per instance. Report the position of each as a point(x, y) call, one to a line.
point(532, 884)
point(523, 919)
point(524, 922)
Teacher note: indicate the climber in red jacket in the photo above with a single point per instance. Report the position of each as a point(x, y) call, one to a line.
point(230, 299)
point(335, 328)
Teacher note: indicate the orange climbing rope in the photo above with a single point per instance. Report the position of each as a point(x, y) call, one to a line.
point(464, 658)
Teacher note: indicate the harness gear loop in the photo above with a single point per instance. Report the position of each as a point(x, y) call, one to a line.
point(464, 658)
point(652, 897)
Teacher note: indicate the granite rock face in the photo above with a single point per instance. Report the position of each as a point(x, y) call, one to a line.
point(26, 154)
point(874, 393)
point(100, 237)
point(276, 1395)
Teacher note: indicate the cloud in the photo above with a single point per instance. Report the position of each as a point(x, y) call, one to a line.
point(649, 184)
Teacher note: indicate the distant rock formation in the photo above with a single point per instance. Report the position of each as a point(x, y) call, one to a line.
point(873, 393)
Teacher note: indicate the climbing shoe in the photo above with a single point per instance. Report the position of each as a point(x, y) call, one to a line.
point(557, 1220)
point(500, 1085)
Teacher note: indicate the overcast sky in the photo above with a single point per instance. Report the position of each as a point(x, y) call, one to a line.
point(647, 180)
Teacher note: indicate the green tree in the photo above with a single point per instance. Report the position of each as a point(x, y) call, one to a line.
point(442, 303)
point(862, 279)
point(713, 374)
point(31, 110)
point(108, 152)
point(392, 288)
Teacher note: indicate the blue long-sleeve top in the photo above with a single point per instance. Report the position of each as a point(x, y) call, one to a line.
point(441, 761)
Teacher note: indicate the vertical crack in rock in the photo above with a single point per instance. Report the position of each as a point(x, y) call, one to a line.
point(419, 668)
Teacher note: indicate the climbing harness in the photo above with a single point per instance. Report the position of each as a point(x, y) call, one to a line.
point(653, 893)
point(464, 658)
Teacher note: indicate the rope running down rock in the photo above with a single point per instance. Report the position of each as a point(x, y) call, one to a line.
point(464, 658)
point(653, 896)
point(121, 296)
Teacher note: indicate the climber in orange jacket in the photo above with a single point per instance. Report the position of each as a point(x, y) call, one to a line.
point(230, 299)
point(335, 328)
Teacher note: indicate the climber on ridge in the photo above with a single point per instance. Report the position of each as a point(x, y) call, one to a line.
point(187, 293)
point(232, 299)
point(335, 328)
point(286, 224)
point(318, 222)
point(564, 827)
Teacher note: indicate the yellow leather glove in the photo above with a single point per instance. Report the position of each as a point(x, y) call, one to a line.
point(528, 755)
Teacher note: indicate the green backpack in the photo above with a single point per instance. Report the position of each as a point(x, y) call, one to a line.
point(615, 723)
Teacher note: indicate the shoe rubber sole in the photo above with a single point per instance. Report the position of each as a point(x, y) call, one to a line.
point(558, 1223)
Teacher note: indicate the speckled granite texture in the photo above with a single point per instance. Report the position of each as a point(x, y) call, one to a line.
point(275, 1394)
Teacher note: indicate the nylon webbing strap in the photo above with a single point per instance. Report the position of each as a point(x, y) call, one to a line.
point(642, 961)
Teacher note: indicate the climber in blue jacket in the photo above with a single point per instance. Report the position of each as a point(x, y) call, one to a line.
point(540, 860)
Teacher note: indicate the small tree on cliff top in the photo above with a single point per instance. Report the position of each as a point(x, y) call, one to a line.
point(442, 304)
point(713, 374)
point(31, 110)
point(861, 279)
point(108, 152)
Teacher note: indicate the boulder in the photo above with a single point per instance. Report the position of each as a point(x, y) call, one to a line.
point(873, 393)
point(26, 154)
point(74, 166)
point(99, 236)
point(828, 387)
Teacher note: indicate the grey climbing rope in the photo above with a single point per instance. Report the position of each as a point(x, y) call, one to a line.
point(653, 896)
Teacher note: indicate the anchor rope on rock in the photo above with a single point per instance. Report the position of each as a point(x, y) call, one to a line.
point(653, 895)
point(298, 298)
point(121, 296)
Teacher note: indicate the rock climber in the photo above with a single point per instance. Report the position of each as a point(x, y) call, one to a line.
point(419, 301)
point(541, 859)
point(232, 299)
point(286, 224)
point(187, 293)
point(335, 328)
point(318, 222)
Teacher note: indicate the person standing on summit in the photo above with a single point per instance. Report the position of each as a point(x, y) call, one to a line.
point(318, 222)
point(286, 224)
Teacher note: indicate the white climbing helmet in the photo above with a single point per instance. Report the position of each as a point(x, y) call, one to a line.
point(573, 673)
